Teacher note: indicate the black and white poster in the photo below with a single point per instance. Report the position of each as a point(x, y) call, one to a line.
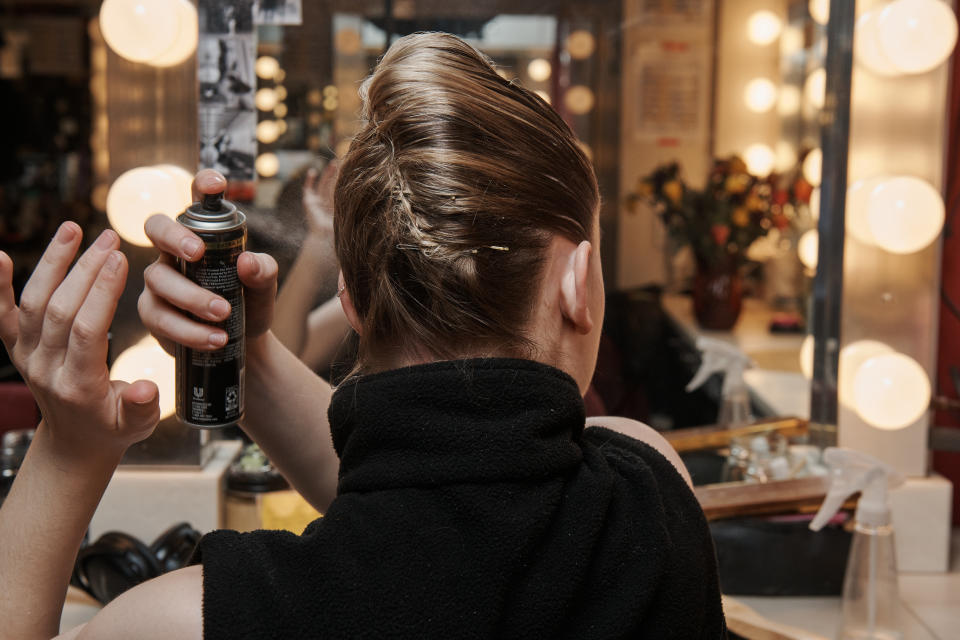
point(226, 53)
point(277, 12)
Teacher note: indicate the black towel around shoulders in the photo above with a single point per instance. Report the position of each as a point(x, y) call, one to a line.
point(472, 503)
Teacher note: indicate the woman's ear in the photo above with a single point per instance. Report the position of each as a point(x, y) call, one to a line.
point(346, 303)
point(574, 297)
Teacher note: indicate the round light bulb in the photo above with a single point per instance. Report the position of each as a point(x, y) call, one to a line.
point(267, 164)
point(760, 95)
point(265, 99)
point(851, 357)
point(280, 110)
point(763, 27)
point(788, 103)
point(786, 156)
point(581, 44)
point(147, 360)
point(917, 35)
point(183, 180)
point(136, 195)
point(819, 10)
point(891, 391)
point(815, 204)
point(815, 88)
point(759, 159)
point(266, 67)
point(813, 167)
point(905, 214)
point(539, 70)
point(857, 221)
point(579, 99)
point(867, 48)
point(807, 248)
point(791, 41)
point(139, 30)
point(806, 357)
point(185, 42)
point(267, 131)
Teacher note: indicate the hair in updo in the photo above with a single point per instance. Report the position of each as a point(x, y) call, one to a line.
point(447, 200)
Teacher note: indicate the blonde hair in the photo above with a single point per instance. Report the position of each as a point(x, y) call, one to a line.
point(447, 200)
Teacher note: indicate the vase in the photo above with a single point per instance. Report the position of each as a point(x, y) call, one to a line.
point(717, 296)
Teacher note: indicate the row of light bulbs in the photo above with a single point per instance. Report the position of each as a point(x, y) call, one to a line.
point(887, 389)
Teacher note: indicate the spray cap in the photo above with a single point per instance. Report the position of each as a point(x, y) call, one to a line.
point(851, 472)
point(212, 202)
point(723, 356)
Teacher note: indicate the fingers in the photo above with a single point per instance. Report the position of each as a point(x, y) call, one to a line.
point(258, 273)
point(310, 181)
point(168, 325)
point(169, 284)
point(207, 181)
point(43, 282)
point(9, 315)
point(139, 410)
point(173, 238)
point(87, 342)
point(69, 296)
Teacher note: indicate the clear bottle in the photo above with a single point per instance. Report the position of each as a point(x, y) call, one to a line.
point(871, 600)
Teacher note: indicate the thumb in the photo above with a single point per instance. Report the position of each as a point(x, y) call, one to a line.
point(258, 273)
point(139, 410)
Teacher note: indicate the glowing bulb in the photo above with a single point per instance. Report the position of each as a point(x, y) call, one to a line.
point(858, 207)
point(819, 10)
point(139, 30)
point(867, 48)
point(265, 99)
point(786, 156)
point(282, 126)
point(813, 167)
point(788, 103)
point(267, 164)
point(539, 70)
point(917, 35)
point(136, 195)
point(815, 88)
point(763, 27)
point(280, 110)
point(791, 41)
point(579, 99)
point(266, 67)
point(806, 357)
point(807, 248)
point(891, 391)
point(281, 92)
point(759, 159)
point(267, 131)
point(183, 180)
point(760, 95)
point(815, 204)
point(185, 42)
point(905, 214)
point(851, 357)
point(147, 360)
point(581, 44)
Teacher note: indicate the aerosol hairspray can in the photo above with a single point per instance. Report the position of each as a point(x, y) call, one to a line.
point(210, 383)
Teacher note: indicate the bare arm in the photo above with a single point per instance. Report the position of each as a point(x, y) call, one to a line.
point(327, 328)
point(643, 433)
point(286, 403)
point(314, 270)
point(57, 338)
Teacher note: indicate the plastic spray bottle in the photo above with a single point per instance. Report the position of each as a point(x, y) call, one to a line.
point(871, 600)
point(725, 357)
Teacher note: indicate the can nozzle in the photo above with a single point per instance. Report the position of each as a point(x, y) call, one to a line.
point(212, 201)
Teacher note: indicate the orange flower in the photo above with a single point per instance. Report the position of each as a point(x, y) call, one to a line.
point(674, 191)
point(720, 233)
point(737, 183)
point(740, 217)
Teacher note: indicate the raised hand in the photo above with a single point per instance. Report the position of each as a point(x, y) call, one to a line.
point(318, 198)
point(169, 298)
point(57, 339)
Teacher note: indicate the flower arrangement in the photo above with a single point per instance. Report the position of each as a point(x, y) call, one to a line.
point(721, 220)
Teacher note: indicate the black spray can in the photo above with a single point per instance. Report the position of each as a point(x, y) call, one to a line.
point(210, 383)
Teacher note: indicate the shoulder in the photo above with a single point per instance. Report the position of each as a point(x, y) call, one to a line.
point(169, 606)
point(638, 432)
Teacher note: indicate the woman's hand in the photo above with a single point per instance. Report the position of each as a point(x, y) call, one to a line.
point(57, 339)
point(318, 198)
point(169, 298)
